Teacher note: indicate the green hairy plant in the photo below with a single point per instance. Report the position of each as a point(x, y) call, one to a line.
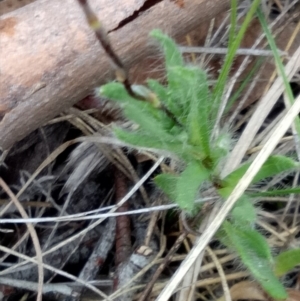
point(184, 130)
point(178, 119)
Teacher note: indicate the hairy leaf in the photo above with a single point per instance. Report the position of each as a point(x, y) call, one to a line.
point(190, 95)
point(117, 92)
point(244, 212)
point(273, 166)
point(167, 183)
point(220, 148)
point(172, 54)
point(165, 96)
point(199, 110)
point(286, 261)
point(256, 256)
point(141, 139)
point(140, 114)
point(188, 184)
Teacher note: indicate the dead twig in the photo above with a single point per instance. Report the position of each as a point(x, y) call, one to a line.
point(34, 237)
point(161, 267)
point(123, 232)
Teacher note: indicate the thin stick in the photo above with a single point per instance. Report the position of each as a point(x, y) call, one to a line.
point(123, 230)
point(86, 215)
point(161, 267)
point(95, 24)
point(121, 72)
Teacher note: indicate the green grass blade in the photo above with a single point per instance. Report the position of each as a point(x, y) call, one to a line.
point(276, 192)
point(233, 22)
point(279, 64)
point(221, 82)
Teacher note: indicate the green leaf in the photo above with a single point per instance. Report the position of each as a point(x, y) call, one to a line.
point(199, 128)
point(141, 139)
point(220, 147)
point(188, 184)
point(188, 82)
point(244, 212)
point(160, 90)
point(286, 261)
point(256, 256)
point(173, 57)
point(273, 166)
point(152, 120)
point(247, 237)
point(167, 183)
point(190, 101)
point(165, 96)
point(117, 92)
point(141, 113)
point(172, 54)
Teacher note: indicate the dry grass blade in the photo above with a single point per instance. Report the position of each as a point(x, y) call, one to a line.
point(236, 193)
point(86, 158)
point(32, 286)
point(188, 286)
point(221, 272)
point(99, 221)
point(58, 271)
point(262, 110)
point(34, 237)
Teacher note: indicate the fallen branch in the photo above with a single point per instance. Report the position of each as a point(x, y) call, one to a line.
point(51, 59)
